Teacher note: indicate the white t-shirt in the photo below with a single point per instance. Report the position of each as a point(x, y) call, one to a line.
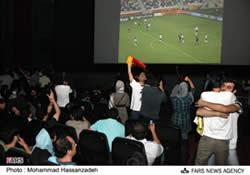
point(62, 93)
point(233, 141)
point(136, 96)
point(217, 127)
point(152, 149)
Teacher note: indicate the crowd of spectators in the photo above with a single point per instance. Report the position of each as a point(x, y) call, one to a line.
point(38, 108)
point(134, 5)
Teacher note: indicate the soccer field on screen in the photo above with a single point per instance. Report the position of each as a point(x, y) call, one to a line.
point(150, 49)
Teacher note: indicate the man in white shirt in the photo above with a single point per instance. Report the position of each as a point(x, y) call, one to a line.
point(235, 110)
point(217, 131)
point(136, 96)
point(153, 148)
point(62, 94)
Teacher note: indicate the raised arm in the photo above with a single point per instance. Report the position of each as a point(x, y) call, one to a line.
point(130, 75)
point(155, 137)
point(56, 107)
point(218, 107)
point(190, 82)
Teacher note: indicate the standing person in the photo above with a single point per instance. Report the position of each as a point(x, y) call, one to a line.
point(129, 28)
point(196, 39)
point(182, 99)
point(63, 91)
point(137, 86)
point(120, 100)
point(235, 109)
point(217, 131)
point(179, 37)
point(160, 36)
point(152, 98)
point(196, 31)
point(135, 41)
point(206, 38)
point(182, 38)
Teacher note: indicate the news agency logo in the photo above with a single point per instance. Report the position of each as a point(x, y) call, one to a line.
point(185, 171)
point(14, 160)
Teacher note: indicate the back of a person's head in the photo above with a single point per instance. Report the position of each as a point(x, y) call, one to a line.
point(139, 130)
point(112, 113)
point(129, 125)
point(86, 106)
point(61, 146)
point(153, 80)
point(77, 113)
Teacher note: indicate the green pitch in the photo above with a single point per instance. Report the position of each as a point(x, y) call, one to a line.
point(150, 49)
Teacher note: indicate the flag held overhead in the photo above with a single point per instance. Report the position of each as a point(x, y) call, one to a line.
point(133, 61)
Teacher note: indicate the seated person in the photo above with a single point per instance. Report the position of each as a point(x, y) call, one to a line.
point(9, 137)
point(78, 120)
point(153, 148)
point(65, 150)
point(110, 126)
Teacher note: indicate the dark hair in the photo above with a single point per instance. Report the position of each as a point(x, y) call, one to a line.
point(139, 130)
point(77, 113)
point(227, 80)
point(153, 80)
point(112, 113)
point(86, 105)
point(61, 146)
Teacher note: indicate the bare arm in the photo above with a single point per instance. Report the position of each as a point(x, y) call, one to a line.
point(56, 107)
point(24, 145)
point(218, 107)
point(130, 75)
point(210, 113)
point(190, 82)
point(161, 86)
point(155, 137)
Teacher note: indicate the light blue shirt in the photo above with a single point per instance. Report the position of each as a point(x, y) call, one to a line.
point(111, 128)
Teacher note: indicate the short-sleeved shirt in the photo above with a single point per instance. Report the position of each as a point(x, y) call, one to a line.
point(136, 96)
point(62, 93)
point(151, 102)
point(152, 149)
point(111, 128)
point(217, 127)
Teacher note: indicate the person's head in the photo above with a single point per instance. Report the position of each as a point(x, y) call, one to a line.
point(65, 146)
point(119, 86)
point(153, 80)
point(140, 75)
point(112, 113)
point(76, 113)
point(33, 92)
point(139, 130)
point(216, 86)
point(85, 106)
point(229, 85)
